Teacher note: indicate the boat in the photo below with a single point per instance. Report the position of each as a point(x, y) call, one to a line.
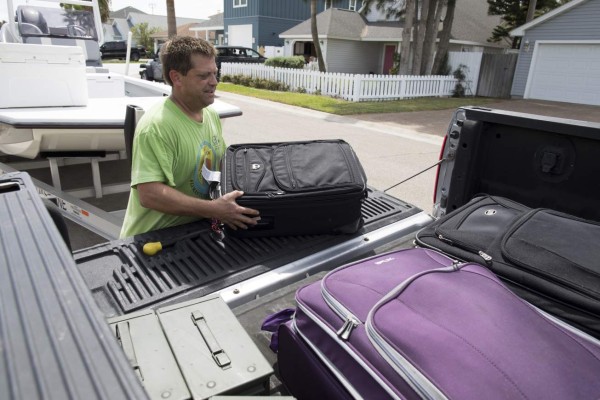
point(62, 101)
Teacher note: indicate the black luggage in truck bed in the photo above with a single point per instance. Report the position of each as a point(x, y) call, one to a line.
point(310, 187)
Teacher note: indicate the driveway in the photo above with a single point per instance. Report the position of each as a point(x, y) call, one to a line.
point(436, 122)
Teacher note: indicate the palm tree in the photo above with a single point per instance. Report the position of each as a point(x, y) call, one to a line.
point(104, 6)
point(171, 21)
point(409, 17)
point(442, 48)
point(315, 34)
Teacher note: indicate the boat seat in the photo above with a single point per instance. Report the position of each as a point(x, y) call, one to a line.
point(34, 29)
point(133, 114)
point(31, 22)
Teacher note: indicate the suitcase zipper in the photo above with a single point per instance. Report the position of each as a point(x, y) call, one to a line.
point(486, 257)
point(350, 320)
point(289, 167)
point(346, 329)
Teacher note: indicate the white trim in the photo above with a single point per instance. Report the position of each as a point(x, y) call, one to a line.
point(208, 28)
point(241, 3)
point(535, 54)
point(520, 31)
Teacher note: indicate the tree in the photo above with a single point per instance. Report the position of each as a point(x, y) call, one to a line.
point(141, 33)
point(171, 20)
point(514, 14)
point(431, 34)
point(441, 55)
point(405, 45)
point(103, 5)
point(315, 34)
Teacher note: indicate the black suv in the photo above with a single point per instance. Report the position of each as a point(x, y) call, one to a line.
point(118, 49)
point(153, 70)
point(237, 54)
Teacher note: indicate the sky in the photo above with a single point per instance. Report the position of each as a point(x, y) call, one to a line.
point(183, 8)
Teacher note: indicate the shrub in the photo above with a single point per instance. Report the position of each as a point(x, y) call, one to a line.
point(255, 82)
point(295, 62)
point(460, 74)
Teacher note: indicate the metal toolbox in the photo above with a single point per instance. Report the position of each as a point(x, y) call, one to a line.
point(195, 349)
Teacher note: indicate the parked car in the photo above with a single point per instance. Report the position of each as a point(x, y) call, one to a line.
point(153, 70)
point(238, 54)
point(118, 49)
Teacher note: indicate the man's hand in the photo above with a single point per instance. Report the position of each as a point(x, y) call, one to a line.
point(230, 213)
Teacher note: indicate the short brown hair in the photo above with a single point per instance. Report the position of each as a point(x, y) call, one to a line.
point(176, 54)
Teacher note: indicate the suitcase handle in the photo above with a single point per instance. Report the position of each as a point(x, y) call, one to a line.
point(218, 354)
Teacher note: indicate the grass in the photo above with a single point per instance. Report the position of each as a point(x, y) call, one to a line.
point(342, 107)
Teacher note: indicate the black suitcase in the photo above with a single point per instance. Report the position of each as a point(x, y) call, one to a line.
point(549, 258)
point(299, 188)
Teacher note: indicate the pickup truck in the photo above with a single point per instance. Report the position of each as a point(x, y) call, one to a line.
point(55, 339)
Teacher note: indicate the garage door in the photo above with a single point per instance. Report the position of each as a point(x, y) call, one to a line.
point(568, 72)
point(239, 35)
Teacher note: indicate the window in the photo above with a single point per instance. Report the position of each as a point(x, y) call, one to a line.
point(240, 3)
point(352, 5)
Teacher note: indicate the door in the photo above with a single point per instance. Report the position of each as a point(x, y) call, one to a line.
point(240, 35)
point(566, 72)
point(388, 60)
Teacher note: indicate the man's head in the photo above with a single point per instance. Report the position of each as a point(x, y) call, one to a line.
point(176, 54)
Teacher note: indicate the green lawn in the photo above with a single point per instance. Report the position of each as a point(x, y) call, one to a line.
point(342, 107)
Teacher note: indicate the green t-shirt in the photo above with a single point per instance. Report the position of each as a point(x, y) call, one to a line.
point(170, 147)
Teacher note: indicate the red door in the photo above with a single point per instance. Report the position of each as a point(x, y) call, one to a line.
point(388, 60)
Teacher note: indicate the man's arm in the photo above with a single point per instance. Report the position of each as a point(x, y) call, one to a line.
point(165, 199)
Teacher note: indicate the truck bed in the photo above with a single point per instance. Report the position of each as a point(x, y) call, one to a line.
point(123, 279)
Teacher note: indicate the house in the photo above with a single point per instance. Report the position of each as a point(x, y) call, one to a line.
point(258, 23)
point(210, 30)
point(121, 21)
point(559, 56)
point(359, 43)
point(213, 29)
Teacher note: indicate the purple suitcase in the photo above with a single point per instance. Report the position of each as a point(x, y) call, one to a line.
point(416, 324)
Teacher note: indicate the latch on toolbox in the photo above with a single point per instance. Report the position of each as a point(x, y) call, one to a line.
point(124, 337)
point(218, 354)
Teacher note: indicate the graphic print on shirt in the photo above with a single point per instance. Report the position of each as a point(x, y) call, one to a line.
point(206, 154)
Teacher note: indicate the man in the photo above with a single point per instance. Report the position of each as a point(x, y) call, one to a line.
point(172, 143)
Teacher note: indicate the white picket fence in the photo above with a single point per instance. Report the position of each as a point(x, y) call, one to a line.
point(349, 86)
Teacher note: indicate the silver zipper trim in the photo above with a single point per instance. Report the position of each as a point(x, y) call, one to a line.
point(346, 348)
point(581, 334)
point(340, 377)
point(351, 321)
point(401, 365)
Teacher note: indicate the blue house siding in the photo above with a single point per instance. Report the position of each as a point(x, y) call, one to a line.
point(269, 29)
point(293, 9)
point(582, 22)
point(270, 16)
